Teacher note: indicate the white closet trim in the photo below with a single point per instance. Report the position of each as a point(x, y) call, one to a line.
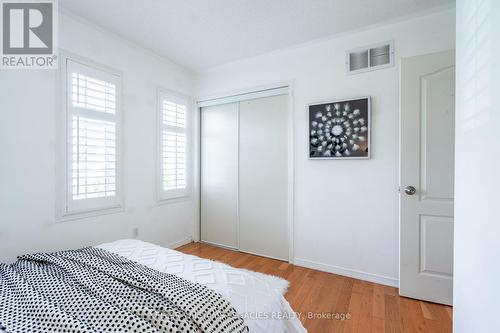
point(284, 90)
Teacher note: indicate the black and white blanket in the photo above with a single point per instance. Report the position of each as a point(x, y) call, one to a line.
point(92, 290)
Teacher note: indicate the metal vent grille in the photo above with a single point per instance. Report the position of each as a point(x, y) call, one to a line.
point(358, 60)
point(370, 58)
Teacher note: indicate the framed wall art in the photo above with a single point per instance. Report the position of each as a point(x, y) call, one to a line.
point(340, 129)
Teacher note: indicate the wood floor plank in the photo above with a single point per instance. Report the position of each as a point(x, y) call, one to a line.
point(392, 314)
point(336, 304)
point(378, 302)
point(411, 317)
point(377, 326)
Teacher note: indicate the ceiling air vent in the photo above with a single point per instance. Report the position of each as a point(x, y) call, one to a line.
point(370, 58)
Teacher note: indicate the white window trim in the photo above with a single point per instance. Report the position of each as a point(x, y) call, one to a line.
point(170, 196)
point(63, 185)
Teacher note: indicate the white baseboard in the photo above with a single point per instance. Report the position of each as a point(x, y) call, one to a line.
point(347, 272)
point(178, 243)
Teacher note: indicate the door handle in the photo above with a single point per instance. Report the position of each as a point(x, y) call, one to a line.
point(410, 190)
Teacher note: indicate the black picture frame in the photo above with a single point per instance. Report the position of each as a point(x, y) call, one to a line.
point(340, 129)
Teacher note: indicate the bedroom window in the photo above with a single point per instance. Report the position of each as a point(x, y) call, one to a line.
point(93, 122)
point(172, 145)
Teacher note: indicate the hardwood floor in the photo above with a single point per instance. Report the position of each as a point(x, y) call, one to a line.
point(370, 307)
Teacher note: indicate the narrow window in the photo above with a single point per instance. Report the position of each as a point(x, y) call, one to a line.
point(93, 149)
point(173, 146)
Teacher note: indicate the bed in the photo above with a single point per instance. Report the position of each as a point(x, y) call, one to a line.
point(257, 299)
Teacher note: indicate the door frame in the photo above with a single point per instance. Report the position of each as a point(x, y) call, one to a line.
point(280, 88)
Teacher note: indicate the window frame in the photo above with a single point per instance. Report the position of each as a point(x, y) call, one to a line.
point(165, 196)
point(66, 207)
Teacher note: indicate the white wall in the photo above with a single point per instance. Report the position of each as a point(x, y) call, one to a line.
point(28, 109)
point(346, 212)
point(477, 217)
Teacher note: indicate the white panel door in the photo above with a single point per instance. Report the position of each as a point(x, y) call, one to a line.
point(427, 176)
point(263, 171)
point(219, 175)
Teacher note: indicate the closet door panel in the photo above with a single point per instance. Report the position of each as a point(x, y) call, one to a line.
point(219, 174)
point(263, 176)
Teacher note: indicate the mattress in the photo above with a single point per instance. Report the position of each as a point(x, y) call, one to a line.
point(263, 307)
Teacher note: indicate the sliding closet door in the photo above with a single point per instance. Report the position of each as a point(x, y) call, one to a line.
point(219, 174)
point(263, 176)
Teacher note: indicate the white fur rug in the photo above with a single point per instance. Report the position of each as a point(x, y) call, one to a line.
point(276, 282)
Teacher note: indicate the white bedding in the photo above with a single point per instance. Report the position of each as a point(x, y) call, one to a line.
point(263, 308)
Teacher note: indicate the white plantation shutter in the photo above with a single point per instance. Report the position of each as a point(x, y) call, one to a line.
point(93, 126)
point(173, 146)
point(93, 169)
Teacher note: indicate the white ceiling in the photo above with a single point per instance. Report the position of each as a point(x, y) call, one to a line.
point(203, 33)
